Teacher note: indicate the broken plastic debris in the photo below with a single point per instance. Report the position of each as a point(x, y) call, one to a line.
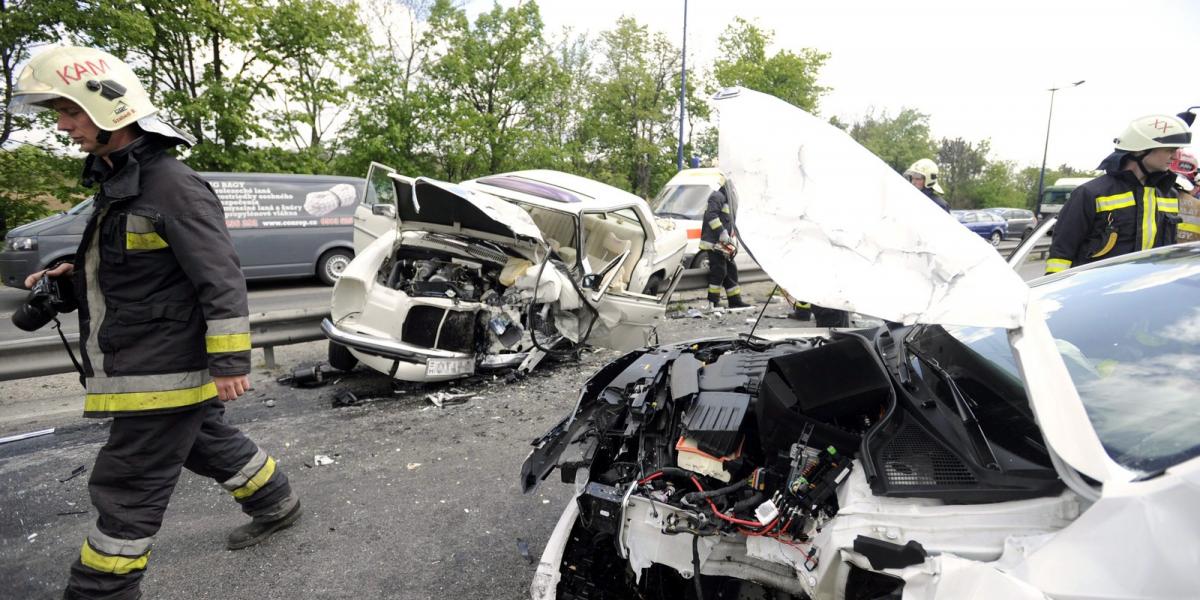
point(346, 399)
point(321, 460)
point(523, 548)
point(305, 377)
point(31, 536)
point(25, 436)
point(450, 398)
point(270, 403)
point(413, 466)
point(80, 470)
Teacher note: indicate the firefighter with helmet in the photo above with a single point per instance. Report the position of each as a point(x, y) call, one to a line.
point(1132, 207)
point(923, 174)
point(163, 321)
point(716, 239)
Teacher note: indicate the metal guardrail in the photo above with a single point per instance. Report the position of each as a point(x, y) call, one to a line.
point(35, 357)
point(45, 355)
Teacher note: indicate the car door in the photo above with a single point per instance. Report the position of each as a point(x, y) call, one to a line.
point(376, 210)
point(610, 252)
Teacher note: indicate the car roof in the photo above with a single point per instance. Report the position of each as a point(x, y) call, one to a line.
point(555, 190)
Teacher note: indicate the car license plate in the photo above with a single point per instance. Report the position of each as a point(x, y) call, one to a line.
point(440, 367)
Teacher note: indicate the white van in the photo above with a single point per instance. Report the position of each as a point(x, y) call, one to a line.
point(684, 199)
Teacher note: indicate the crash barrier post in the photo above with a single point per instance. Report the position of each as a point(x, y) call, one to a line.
point(45, 355)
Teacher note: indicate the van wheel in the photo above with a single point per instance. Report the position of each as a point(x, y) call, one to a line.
point(332, 263)
point(340, 357)
point(700, 260)
point(996, 237)
point(655, 282)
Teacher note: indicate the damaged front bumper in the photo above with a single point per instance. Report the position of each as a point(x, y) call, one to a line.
point(429, 363)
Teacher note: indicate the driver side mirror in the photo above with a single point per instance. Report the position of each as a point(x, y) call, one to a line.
point(592, 281)
point(384, 210)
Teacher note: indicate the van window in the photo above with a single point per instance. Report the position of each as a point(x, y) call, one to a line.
point(682, 201)
point(83, 208)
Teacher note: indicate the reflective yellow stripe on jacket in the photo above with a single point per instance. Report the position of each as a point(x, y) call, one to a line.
point(234, 342)
point(1055, 265)
point(139, 401)
point(1107, 203)
point(1149, 218)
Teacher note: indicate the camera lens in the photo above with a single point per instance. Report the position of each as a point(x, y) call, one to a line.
point(34, 314)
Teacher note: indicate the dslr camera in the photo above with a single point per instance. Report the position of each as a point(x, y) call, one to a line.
point(48, 297)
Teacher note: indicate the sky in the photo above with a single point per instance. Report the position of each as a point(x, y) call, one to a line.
point(980, 70)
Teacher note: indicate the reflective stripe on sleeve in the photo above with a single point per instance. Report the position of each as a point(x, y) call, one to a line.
point(233, 342)
point(715, 223)
point(1106, 203)
point(1055, 265)
point(1190, 228)
point(226, 326)
point(1168, 205)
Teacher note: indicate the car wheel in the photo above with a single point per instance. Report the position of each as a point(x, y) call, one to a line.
point(700, 260)
point(996, 237)
point(1028, 232)
point(340, 357)
point(332, 263)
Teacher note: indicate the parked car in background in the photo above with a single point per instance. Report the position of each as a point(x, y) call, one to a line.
point(684, 199)
point(989, 226)
point(1021, 222)
point(282, 226)
point(493, 271)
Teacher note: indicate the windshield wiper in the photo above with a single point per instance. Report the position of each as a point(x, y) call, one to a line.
point(969, 420)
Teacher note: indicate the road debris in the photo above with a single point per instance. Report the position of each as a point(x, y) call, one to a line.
point(80, 470)
point(24, 436)
point(523, 548)
point(449, 398)
point(347, 398)
point(72, 512)
point(31, 536)
point(414, 466)
point(321, 460)
point(270, 403)
point(305, 377)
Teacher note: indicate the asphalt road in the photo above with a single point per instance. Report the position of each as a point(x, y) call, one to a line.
point(264, 296)
point(420, 502)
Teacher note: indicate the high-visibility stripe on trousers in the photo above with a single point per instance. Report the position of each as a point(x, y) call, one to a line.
point(722, 274)
point(133, 479)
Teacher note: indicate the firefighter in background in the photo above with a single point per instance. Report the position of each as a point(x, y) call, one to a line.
point(1132, 207)
point(163, 321)
point(923, 174)
point(716, 238)
point(1183, 164)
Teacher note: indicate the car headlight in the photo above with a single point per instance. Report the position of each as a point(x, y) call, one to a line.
point(22, 243)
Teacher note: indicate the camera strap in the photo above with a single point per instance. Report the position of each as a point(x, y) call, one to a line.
point(67, 345)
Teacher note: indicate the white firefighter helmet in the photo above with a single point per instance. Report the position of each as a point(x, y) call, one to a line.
point(927, 170)
point(100, 83)
point(1154, 131)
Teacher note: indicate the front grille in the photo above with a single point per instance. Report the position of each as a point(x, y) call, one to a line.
point(421, 326)
point(914, 459)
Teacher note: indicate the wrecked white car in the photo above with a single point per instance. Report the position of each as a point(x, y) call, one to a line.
point(497, 272)
point(990, 441)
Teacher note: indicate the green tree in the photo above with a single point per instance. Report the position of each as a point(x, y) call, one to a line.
point(29, 177)
point(631, 122)
point(997, 186)
point(787, 75)
point(485, 87)
point(899, 141)
point(960, 163)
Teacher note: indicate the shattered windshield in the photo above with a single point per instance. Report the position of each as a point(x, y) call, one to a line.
point(682, 201)
point(1130, 336)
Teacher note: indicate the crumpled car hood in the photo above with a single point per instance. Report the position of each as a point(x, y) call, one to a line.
point(450, 208)
point(833, 224)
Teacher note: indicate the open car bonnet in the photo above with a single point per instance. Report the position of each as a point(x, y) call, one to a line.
point(834, 225)
point(444, 207)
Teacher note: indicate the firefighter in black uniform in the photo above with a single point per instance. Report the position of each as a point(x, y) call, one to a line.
point(716, 238)
point(1132, 207)
point(163, 322)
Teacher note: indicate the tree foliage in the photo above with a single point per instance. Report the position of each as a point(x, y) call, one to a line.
point(789, 76)
point(899, 141)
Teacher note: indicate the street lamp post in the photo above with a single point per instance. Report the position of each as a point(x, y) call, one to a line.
point(682, 90)
point(1046, 147)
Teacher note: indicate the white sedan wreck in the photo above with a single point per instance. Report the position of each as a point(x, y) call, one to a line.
point(990, 441)
point(497, 272)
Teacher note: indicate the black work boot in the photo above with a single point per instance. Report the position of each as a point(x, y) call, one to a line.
point(714, 301)
point(256, 531)
point(736, 302)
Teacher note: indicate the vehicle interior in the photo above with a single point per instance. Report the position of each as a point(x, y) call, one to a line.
point(607, 235)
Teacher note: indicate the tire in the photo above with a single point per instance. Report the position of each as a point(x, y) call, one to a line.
point(332, 263)
point(996, 238)
point(1025, 234)
point(340, 357)
point(700, 260)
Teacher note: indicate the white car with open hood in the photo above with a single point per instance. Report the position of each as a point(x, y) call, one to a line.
point(495, 272)
point(990, 441)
